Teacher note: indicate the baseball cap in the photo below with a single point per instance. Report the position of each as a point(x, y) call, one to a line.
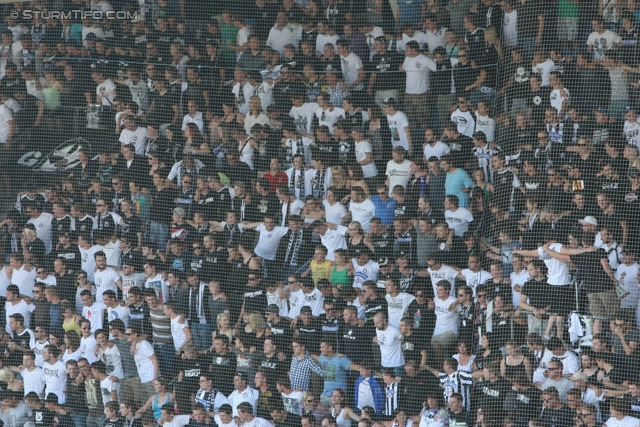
point(589, 220)
point(401, 254)
point(632, 172)
point(190, 347)
point(383, 261)
point(317, 223)
point(242, 375)
point(390, 101)
point(363, 251)
point(180, 211)
point(91, 36)
point(272, 308)
point(629, 108)
point(602, 111)
point(579, 376)
point(29, 227)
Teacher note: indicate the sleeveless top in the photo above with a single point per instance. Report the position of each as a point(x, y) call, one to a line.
point(340, 420)
point(513, 370)
point(157, 408)
point(72, 325)
point(51, 97)
point(340, 277)
point(469, 366)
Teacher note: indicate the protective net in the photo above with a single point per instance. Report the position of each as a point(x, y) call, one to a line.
point(320, 212)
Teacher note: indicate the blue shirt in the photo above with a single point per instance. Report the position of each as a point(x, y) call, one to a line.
point(410, 11)
point(455, 183)
point(384, 210)
point(334, 372)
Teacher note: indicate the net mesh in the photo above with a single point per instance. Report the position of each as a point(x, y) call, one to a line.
point(344, 211)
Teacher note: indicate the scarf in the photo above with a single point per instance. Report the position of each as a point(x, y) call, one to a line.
point(297, 186)
point(293, 248)
point(319, 185)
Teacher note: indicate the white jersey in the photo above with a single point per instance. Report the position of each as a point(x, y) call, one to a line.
point(558, 270)
point(55, 379)
point(106, 280)
point(464, 121)
point(458, 220)
point(328, 117)
point(444, 273)
point(518, 279)
point(627, 279)
point(390, 342)
point(475, 279)
point(397, 124)
point(632, 132)
point(363, 273)
point(438, 150)
point(445, 320)
point(397, 306)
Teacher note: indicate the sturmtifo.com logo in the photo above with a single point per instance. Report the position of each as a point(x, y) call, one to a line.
point(96, 15)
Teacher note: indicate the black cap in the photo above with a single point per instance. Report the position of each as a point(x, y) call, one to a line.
point(51, 398)
point(242, 375)
point(317, 223)
point(272, 308)
point(383, 261)
point(390, 101)
point(401, 254)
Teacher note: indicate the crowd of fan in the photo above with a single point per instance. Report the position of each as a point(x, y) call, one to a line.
point(324, 213)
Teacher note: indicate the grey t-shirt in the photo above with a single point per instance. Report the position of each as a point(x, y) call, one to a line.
point(633, 336)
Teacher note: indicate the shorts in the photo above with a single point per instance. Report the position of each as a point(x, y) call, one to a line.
point(447, 339)
point(603, 304)
point(563, 300)
point(567, 28)
point(537, 326)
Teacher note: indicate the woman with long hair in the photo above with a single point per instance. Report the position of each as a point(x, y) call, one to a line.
point(72, 342)
point(52, 89)
point(356, 178)
point(334, 211)
point(109, 354)
point(256, 115)
point(515, 363)
point(339, 182)
point(342, 270)
point(70, 319)
point(490, 351)
point(465, 357)
point(311, 406)
point(223, 323)
point(255, 331)
point(156, 401)
point(342, 413)
point(379, 135)
point(355, 239)
point(247, 145)
point(176, 144)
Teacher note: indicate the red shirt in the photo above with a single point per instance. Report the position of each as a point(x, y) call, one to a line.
point(280, 178)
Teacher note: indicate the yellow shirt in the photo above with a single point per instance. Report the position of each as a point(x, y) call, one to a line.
point(320, 270)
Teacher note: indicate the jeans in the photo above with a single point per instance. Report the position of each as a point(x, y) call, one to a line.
point(79, 420)
point(201, 335)
point(165, 354)
point(529, 45)
point(92, 421)
point(483, 94)
point(159, 234)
